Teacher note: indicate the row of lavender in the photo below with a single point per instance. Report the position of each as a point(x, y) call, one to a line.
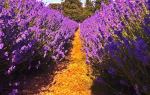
point(32, 34)
point(117, 44)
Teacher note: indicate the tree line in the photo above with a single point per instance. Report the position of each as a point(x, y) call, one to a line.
point(75, 10)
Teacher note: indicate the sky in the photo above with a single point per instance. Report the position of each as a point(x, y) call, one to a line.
point(57, 1)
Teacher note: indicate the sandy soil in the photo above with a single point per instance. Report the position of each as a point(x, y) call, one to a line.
point(75, 79)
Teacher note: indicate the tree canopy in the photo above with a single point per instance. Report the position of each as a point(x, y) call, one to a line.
point(75, 10)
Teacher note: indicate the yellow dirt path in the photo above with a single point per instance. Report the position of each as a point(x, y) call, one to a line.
point(73, 80)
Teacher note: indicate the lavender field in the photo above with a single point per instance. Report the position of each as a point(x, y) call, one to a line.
point(45, 52)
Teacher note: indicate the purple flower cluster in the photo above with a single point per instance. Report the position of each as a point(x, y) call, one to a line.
point(116, 41)
point(32, 34)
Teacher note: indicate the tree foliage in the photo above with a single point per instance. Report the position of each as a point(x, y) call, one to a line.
point(73, 9)
point(56, 6)
point(89, 8)
point(76, 11)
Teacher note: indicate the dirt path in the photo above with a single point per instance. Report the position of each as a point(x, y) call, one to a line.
point(73, 80)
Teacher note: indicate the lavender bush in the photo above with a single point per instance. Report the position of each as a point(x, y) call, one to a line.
point(31, 35)
point(117, 45)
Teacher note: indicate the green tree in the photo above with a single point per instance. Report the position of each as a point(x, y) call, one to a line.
point(89, 4)
point(97, 4)
point(89, 8)
point(73, 9)
point(56, 6)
